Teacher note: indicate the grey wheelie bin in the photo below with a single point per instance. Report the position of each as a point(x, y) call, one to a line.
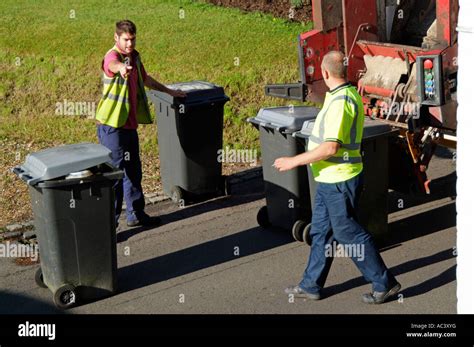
point(373, 204)
point(286, 193)
point(189, 137)
point(73, 204)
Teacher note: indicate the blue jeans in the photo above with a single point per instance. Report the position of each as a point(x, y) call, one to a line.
point(334, 222)
point(126, 156)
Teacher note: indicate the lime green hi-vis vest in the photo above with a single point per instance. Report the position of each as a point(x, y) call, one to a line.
point(341, 120)
point(114, 105)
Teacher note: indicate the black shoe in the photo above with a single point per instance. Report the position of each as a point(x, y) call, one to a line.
point(299, 292)
point(144, 220)
point(380, 297)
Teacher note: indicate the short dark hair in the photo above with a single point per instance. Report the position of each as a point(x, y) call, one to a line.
point(125, 26)
point(334, 63)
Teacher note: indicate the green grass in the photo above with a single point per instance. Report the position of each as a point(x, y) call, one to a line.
point(47, 57)
point(59, 58)
point(299, 3)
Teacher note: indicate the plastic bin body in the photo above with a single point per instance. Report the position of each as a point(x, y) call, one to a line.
point(373, 203)
point(75, 223)
point(286, 193)
point(74, 219)
point(189, 137)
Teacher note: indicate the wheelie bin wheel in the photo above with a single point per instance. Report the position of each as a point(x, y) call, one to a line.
point(177, 195)
point(39, 279)
point(297, 230)
point(65, 297)
point(306, 236)
point(226, 186)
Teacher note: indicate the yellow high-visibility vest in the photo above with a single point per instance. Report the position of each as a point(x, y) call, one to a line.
point(341, 120)
point(114, 105)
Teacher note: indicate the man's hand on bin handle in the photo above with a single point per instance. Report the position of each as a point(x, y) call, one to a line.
point(176, 93)
point(151, 83)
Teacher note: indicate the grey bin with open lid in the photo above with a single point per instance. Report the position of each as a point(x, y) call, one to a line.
point(189, 138)
point(71, 191)
point(286, 193)
point(373, 204)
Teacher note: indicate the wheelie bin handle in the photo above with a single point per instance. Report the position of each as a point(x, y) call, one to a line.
point(267, 125)
point(211, 102)
point(22, 174)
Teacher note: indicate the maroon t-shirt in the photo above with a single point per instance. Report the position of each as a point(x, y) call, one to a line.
point(132, 82)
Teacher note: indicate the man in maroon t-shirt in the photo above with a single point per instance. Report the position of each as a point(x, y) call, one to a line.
point(123, 141)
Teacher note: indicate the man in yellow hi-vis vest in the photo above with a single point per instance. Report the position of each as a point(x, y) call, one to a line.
point(334, 155)
point(122, 107)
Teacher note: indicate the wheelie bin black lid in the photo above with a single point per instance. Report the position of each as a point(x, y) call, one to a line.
point(60, 161)
point(372, 128)
point(197, 92)
point(375, 128)
point(286, 119)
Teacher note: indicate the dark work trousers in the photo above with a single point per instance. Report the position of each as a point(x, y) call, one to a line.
point(126, 156)
point(334, 221)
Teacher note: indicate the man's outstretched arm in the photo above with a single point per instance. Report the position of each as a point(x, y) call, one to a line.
point(151, 83)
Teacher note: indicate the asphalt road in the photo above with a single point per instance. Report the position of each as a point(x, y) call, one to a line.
point(212, 257)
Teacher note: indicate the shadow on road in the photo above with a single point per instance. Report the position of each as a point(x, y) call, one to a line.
point(441, 187)
point(192, 211)
point(200, 257)
point(256, 240)
point(246, 186)
point(412, 265)
point(443, 278)
point(421, 224)
point(14, 303)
